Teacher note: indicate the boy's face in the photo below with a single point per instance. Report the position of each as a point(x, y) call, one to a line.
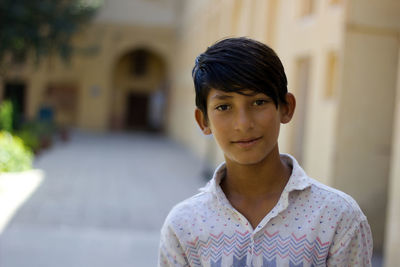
point(246, 127)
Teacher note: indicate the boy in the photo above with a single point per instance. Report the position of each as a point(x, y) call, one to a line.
point(260, 208)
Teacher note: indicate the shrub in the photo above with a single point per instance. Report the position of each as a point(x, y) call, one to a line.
point(37, 134)
point(30, 139)
point(14, 156)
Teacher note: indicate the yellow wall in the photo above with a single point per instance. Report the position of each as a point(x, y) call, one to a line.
point(118, 40)
point(366, 107)
point(392, 232)
point(313, 36)
point(92, 72)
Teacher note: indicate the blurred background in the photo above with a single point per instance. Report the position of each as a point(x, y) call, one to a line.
point(98, 139)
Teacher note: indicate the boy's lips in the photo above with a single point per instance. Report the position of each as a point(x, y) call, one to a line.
point(247, 142)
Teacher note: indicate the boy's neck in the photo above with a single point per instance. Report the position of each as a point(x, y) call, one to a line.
point(257, 180)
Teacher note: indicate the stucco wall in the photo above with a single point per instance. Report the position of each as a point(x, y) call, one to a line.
point(366, 106)
point(313, 37)
point(392, 232)
point(92, 71)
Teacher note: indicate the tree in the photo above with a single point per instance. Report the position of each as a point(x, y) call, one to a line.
point(41, 26)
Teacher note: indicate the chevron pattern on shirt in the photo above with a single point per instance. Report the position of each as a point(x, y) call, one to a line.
point(215, 246)
point(298, 249)
point(272, 246)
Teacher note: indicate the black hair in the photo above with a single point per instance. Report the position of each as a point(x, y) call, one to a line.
point(238, 64)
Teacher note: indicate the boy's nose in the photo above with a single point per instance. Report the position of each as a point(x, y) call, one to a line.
point(243, 120)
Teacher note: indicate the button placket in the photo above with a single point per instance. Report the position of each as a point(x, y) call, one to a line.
point(251, 249)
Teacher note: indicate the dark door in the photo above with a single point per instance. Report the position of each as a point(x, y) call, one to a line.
point(65, 99)
point(15, 92)
point(137, 111)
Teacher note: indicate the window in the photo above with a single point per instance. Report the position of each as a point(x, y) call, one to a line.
point(335, 2)
point(306, 7)
point(236, 15)
point(301, 90)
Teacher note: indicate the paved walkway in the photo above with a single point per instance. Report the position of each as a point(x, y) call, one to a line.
point(101, 203)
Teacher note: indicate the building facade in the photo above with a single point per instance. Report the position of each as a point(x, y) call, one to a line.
point(121, 62)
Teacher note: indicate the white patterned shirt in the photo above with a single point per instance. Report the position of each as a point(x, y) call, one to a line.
point(311, 225)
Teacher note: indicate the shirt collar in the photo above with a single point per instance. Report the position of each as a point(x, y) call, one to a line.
point(298, 179)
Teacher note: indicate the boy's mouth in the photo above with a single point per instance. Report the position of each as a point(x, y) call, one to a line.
point(247, 142)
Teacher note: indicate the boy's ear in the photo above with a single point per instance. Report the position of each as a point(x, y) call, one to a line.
point(287, 110)
point(202, 121)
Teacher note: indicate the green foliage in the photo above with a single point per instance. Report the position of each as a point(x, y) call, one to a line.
point(14, 156)
point(34, 132)
point(35, 127)
point(6, 116)
point(43, 26)
point(30, 139)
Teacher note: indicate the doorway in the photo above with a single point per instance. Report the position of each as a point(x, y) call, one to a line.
point(64, 97)
point(137, 107)
point(16, 93)
point(138, 101)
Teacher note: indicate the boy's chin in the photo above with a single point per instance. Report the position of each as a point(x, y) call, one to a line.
point(245, 161)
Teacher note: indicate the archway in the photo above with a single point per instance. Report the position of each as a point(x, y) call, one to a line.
point(139, 91)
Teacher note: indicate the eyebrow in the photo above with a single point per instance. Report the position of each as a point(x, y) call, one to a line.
point(221, 97)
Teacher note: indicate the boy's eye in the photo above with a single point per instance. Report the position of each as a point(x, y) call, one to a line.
point(222, 107)
point(260, 102)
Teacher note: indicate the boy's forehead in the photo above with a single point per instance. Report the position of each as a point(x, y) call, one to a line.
point(221, 94)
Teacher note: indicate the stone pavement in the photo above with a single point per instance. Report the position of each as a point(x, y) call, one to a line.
point(102, 202)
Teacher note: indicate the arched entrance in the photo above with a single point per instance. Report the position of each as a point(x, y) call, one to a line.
point(139, 91)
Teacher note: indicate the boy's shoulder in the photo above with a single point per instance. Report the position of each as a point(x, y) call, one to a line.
point(194, 206)
point(312, 191)
point(200, 206)
point(302, 191)
point(336, 200)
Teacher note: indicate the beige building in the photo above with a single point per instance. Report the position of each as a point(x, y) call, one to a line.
point(119, 71)
point(341, 58)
